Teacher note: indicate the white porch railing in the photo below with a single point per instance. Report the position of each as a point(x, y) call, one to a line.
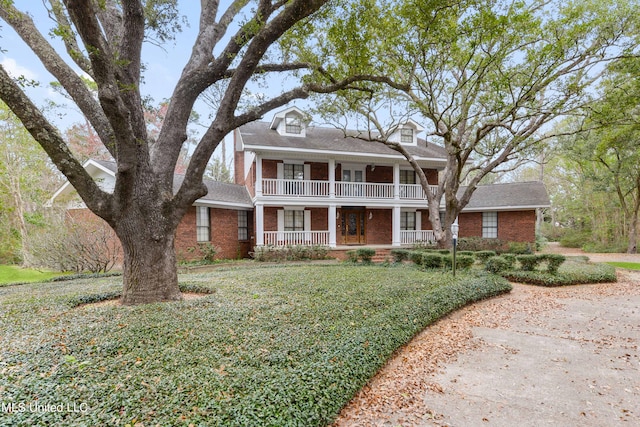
point(295, 187)
point(358, 190)
point(415, 191)
point(408, 237)
point(284, 238)
point(365, 190)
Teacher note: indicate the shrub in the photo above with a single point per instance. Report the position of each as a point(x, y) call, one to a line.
point(554, 261)
point(465, 261)
point(528, 262)
point(569, 273)
point(423, 244)
point(365, 254)
point(352, 256)
point(87, 245)
point(289, 253)
point(444, 251)
point(483, 256)
point(480, 244)
point(400, 255)
point(416, 257)
point(469, 253)
point(431, 260)
point(575, 239)
point(519, 248)
point(447, 261)
point(496, 264)
point(511, 260)
point(207, 252)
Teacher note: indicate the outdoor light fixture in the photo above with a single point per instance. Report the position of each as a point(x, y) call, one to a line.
point(370, 215)
point(454, 234)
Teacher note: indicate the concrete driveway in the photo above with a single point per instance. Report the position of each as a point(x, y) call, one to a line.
point(535, 357)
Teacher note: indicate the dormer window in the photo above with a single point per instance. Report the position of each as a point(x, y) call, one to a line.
point(293, 124)
point(290, 122)
point(406, 136)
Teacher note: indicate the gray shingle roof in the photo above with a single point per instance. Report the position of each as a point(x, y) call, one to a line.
point(516, 195)
point(221, 193)
point(259, 134)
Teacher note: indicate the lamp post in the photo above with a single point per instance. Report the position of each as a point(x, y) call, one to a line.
point(454, 233)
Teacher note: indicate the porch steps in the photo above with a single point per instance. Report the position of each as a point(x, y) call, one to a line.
point(382, 255)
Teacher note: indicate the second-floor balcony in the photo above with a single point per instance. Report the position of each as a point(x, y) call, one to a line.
point(342, 189)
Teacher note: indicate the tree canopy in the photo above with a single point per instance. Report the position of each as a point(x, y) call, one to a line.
point(235, 42)
point(486, 78)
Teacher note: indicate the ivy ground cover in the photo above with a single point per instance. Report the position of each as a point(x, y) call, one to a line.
point(270, 346)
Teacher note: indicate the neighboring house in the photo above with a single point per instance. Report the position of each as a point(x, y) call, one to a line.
point(301, 185)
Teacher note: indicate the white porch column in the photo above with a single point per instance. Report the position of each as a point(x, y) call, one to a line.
point(396, 181)
point(259, 224)
point(332, 183)
point(332, 226)
point(395, 227)
point(258, 175)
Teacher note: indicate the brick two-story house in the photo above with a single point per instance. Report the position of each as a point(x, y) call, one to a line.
point(301, 185)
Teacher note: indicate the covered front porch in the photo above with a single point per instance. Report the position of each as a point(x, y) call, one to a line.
point(334, 226)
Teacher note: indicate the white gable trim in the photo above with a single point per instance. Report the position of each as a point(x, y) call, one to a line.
point(92, 167)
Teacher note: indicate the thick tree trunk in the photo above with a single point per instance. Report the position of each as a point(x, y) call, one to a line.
point(149, 272)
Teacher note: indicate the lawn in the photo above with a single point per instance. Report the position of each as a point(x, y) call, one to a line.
point(627, 265)
point(16, 274)
point(270, 346)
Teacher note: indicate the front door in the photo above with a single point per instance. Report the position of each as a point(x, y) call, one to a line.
point(353, 222)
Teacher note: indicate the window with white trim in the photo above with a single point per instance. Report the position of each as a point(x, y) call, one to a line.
point(243, 225)
point(203, 233)
point(293, 171)
point(293, 124)
point(490, 225)
point(407, 221)
point(406, 136)
point(407, 176)
point(294, 220)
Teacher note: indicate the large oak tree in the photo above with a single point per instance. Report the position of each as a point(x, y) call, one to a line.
point(487, 78)
point(104, 39)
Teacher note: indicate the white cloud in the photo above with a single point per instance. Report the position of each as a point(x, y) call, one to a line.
point(16, 70)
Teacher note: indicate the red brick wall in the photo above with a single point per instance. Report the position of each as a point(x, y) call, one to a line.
point(271, 219)
point(381, 174)
point(516, 226)
point(319, 219)
point(471, 224)
point(270, 168)
point(432, 176)
point(238, 167)
point(319, 172)
point(378, 228)
point(224, 235)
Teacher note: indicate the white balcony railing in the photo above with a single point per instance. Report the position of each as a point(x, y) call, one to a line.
point(415, 191)
point(295, 187)
point(408, 237)
point(364, 190)
point(284, 238)
point(357, 190)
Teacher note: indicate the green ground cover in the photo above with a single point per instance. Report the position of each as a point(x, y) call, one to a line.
point(287, 345)
point(16, 274)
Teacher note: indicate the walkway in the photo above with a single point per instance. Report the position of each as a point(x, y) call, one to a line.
point(535, 357)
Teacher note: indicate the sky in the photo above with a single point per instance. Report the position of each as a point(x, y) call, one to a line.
point(164, 65)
